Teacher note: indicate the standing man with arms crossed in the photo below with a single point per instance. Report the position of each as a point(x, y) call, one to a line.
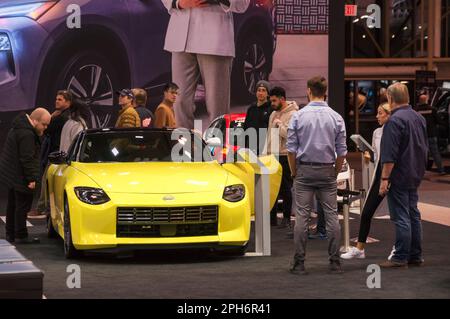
point(317, 149)
point(404, 150)
point(200, 36)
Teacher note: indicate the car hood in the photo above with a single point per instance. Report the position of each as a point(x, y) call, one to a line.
point(9, 3)
point(156, 178)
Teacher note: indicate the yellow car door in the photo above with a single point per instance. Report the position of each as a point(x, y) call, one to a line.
point(56, 184)
point(245, 171)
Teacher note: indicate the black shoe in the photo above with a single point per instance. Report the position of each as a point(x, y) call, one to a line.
point(27, 240)
point(298, 268)
point(335, 267)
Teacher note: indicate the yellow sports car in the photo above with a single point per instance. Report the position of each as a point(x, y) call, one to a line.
point(148, 188)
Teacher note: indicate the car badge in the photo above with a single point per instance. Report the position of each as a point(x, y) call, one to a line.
point(168, 197)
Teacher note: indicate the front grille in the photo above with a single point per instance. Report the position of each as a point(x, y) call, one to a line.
point(167, 221)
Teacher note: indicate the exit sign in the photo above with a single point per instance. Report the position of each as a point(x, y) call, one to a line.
point(351, 10)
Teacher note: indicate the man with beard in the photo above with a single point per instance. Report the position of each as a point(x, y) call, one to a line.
point(277, 134)
point(19, 170)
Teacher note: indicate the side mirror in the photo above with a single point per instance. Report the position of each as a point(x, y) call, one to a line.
point(57, 158)
point(214, 142)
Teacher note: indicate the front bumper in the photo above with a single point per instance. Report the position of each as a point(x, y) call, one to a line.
point(95, 226)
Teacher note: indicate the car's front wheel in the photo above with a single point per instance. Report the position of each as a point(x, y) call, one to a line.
point(69, 249)
point(91, 77)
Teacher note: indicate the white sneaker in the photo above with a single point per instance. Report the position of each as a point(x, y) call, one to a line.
point(354, 253)
point(392, 253)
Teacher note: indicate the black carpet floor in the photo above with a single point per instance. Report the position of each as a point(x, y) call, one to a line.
point(194, 274)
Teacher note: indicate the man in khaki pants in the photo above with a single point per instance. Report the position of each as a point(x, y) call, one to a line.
point(200, 36)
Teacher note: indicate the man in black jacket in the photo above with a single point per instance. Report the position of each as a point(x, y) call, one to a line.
point(19, 170)
point(432, 119)
point(51, 142)
point(140, 102)
point(258, 114)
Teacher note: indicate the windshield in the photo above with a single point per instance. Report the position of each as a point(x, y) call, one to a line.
point(143, 146)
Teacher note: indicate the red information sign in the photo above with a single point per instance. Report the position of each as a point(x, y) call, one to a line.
point(351, 10)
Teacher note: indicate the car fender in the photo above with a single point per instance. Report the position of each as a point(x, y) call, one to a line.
point(245, 171)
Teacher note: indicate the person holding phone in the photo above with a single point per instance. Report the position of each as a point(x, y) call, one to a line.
point(373, 199)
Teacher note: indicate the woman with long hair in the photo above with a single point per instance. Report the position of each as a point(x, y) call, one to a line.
point(75, 124)
point(373, 199)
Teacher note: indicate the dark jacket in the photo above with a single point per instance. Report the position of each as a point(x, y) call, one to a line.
point(258, 117)
point(405, 144)
point(52, 138)
point(431, 117)
point(19, 161)
point(53, 131)
point(145, 113)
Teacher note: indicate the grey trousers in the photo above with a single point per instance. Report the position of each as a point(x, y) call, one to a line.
point(321, 181)
point(215, 72)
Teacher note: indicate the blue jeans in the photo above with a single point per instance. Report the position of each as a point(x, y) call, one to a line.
point(408, 226)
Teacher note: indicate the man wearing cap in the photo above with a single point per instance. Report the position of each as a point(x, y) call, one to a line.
point(258, 114)
point(128, 117)
point(200, 36)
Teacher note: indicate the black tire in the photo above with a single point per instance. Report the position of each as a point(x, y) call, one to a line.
point(74, 73)
point(51, 232)
point(70, 251)
point(253, 63)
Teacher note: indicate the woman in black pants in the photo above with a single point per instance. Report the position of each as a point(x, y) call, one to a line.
point(373, 199)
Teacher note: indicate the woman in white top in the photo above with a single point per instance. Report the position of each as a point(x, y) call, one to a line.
point(73, 126)
point(373, 199)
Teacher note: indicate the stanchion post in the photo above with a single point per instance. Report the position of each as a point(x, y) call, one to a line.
point(346, 213)
point(261, 201)
point(262, 215)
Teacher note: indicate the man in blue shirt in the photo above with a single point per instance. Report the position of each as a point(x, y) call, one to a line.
point(404, 149)
point(316, 151)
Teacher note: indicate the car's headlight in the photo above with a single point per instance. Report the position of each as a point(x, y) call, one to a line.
point(90, 195)
point(31, 10)
point(234, 193)
point(5, 44)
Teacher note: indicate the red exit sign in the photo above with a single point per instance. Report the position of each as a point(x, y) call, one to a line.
point(351, 10)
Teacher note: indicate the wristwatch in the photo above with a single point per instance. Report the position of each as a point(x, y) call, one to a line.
point(385, 178)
